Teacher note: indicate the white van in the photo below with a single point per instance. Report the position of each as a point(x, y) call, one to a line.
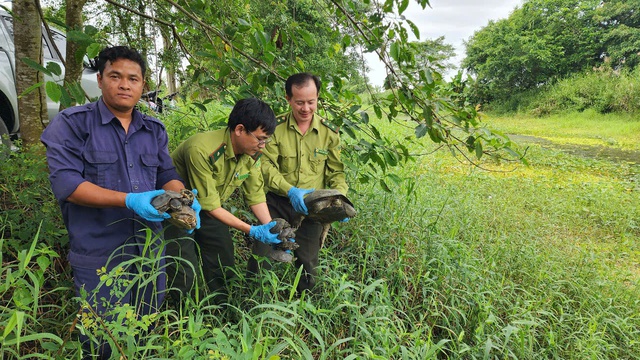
point(9, 117)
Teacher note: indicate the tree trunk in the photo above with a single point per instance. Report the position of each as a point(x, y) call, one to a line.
point(73, 61)
point(171, 73)
point(32, 107)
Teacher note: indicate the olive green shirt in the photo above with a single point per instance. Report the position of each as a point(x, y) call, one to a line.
point(305, 161)
point(206, 162)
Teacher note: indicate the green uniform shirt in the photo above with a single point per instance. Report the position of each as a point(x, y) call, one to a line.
point(206, 162)
point(305, 161)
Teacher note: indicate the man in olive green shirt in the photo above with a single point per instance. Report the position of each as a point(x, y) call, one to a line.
point(215, 163)
point(303, 156)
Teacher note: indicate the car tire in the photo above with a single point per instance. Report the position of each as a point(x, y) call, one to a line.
point(7, 145)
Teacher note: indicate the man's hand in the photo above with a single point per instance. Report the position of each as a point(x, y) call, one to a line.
point(196, 208)
point(262, 233)
point(140, 203)
point(296, 197)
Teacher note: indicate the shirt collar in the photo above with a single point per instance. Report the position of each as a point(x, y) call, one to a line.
point(315, 122)
point(106, 116)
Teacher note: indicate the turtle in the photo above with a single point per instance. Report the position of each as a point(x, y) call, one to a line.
point(178, 205)
point(285, 232)
point(326, 206)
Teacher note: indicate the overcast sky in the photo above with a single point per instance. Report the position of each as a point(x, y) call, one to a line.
point(456, 20)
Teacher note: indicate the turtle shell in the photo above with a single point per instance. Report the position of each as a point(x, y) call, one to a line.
point(328, 205)
point(178, 205)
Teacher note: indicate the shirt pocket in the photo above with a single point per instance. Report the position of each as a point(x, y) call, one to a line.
point(100, 168)
point(288, 164)
point(317, 163)
point(150, 163)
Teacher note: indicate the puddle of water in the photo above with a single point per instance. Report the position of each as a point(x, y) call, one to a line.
point(587, 151)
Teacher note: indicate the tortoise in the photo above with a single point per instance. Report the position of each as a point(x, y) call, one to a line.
point(285, 232)
point(326, 206)
point(178, 205)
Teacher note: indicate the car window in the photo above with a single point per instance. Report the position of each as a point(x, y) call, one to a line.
point(9, 25)
point(61, 44)
point(49, 52)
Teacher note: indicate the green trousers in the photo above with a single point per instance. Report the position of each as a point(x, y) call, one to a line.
point(307, 237)
point(210, 252)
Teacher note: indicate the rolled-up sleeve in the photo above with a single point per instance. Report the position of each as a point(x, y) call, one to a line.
point(253, 187)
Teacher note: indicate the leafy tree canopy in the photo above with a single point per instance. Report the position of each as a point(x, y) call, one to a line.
point(240, 48)
point(539, 42)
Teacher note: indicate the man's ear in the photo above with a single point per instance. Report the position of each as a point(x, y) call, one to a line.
point(239, 129)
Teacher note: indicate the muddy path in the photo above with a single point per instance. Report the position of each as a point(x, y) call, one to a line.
point(586, 151)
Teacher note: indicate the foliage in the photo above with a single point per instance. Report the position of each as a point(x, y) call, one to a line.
point(621, 22)
point(603, 90)
point(250, 53)
point(525, 262)
point(430, 53)
point(541, 41)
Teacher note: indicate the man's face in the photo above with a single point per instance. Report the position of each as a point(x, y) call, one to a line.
point(251, 142)
point(303, 101)
point(121, 83)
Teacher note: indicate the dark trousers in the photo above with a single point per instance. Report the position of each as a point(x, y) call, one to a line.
point(215, 249)
point(307, 237)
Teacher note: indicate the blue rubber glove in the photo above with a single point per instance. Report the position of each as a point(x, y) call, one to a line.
point(196, 208)
point(140, 203)
point(296, 197)
point(345, 220)
point(262, 233)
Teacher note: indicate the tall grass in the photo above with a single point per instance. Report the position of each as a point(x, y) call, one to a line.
point(519, 262)
point(602, 90)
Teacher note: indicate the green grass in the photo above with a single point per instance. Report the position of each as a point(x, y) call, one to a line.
point(526, 262)
point(587, 128)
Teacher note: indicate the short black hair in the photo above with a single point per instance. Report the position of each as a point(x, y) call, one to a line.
point(301, 79)
point(253, 114)
point(114, 53)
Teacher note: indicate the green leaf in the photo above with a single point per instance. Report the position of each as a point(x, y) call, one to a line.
point(478, 145)
point(200, 106)
point(31, 88)
point(34, 65)
point(414, 29)
point(390, 158)
point(224, 71)
point(54, 91)
point(421, 130)
point(364, 116)
point(378, 111)
point(394, 51)
point(77, 93)
point(307, 37)
point(244, 25)
point(93, 50)
point(54, 68)
point(403, 6)
point(384, 186)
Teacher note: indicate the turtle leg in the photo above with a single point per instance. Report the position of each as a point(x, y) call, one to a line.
point(325, 231)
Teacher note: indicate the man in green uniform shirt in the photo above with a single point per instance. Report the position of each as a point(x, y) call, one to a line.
point(303, 156)
point(216, 163)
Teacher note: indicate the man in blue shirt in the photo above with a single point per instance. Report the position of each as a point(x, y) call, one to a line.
point(107, 161)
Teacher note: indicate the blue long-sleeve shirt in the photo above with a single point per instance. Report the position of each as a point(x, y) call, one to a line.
point(88, 143)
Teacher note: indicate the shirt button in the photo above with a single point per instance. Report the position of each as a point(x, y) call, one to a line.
point(135, 187)
point(130, 165)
